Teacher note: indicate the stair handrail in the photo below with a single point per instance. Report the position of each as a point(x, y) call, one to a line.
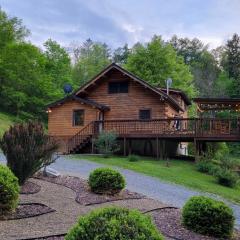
point(88, 130)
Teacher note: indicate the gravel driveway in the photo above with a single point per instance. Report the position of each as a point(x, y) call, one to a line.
point(167, 193)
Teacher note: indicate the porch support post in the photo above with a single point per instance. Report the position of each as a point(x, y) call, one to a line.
point(164, 149)
point(129, 146)
point(157, 148)
point(124, 146)
point(92, 145)
point(196, 147)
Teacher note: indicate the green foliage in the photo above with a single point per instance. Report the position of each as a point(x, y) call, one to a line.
point(207, 216)
point(91, 58)
point(25, 86)
point(227, 178)
point(27, 149)
point(106, 143)
point(120, 55)
point(114, 223)
point(158, 61)
point(133, 158)
point(228, 163)
point(58, 66)
point(106, 180)
point(207, 167)
point(9, 190)
point(11, 29)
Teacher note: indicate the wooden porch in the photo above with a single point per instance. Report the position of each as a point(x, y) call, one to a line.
point(179, 129)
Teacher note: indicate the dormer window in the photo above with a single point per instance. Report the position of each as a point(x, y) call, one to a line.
point(117, 87)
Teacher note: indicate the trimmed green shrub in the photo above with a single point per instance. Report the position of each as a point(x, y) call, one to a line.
point(207, 167)
point(227, 178)
point(203, 166)
point(133, 158)
point(106, 180)
point(207, 216)
point(27, 149)
point(114, 223)
point(9, 190)
point(106, 143)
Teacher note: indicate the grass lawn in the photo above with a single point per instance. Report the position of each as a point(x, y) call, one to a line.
point(5, 121)
point(179, 172)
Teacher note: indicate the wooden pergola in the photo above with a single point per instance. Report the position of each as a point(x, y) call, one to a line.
point(217, 104)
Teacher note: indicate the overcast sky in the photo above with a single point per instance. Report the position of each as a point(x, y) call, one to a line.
point(126, 21)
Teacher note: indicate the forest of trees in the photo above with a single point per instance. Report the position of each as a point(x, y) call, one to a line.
point(31, 77)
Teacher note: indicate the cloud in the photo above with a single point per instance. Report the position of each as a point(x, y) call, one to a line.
point(118, 22)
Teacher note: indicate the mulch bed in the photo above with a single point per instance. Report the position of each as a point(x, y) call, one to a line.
point(54, 237)
point(30, 188)
point(168, 221)
point(27, 210)
point(83, 194)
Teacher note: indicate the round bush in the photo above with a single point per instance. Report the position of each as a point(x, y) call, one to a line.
point(133, 158)
point(114, 223)
point(227, 178)
point(207, 167)
point(106, 180)
point(207, 216)
point(9, 190)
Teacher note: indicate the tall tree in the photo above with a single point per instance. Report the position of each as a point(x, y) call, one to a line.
point(189, 49)
point(25, 85)
point(120, 55)
point(205, 71)
point(93, 57)
point(203, 64)
point(157, 61)
point(58, 66)
point(232, 64)
point(11, 29)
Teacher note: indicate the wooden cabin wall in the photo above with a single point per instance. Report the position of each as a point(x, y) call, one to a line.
point(60, 121)
point(127, 105)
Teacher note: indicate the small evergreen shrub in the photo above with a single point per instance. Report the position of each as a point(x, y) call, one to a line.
point(106, 180)
point(133, 158)
point(114, 223)
point(27, 149)
point(106, 143)
point(204, 166)
point(207, 167)
point(9, 190)
point(227, 178)
point(207, 216)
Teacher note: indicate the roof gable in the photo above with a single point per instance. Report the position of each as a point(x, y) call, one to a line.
point(80, 100)
point(159, 92)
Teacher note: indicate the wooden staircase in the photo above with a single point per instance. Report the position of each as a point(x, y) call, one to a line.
point(82, 138)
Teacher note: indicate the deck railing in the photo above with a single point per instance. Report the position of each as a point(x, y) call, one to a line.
point(188, 127)
point(181, 128)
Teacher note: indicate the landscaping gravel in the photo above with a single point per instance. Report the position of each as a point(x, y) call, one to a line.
point(168, 193)
point(83, 194)
point(29, 188)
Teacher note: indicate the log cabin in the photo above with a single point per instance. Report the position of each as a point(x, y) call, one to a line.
point(117, 98)
point(148, 120)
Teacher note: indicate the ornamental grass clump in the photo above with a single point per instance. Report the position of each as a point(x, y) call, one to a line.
point(207, 216)
point(113, 223)
point(27, 149)
point(9, 190)
point(106, 181)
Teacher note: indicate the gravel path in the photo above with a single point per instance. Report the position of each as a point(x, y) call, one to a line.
point(167, 193)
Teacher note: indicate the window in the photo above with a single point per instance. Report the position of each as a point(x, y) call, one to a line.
point(145, 114)
point(78, 117)
point(118, 87)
